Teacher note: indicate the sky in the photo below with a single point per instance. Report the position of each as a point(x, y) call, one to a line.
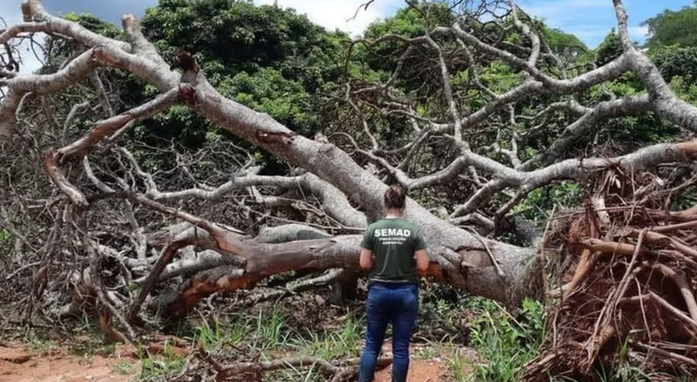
point(590, 20)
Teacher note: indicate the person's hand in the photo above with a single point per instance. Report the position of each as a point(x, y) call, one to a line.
point(423, 274)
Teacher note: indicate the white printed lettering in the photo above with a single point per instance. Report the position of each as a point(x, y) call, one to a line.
point(392, 235)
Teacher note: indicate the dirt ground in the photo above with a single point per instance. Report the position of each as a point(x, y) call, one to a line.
point(20, 365)
point(419, 371)
point(17, 364)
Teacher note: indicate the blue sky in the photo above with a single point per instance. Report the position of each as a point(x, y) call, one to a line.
point(590, 20)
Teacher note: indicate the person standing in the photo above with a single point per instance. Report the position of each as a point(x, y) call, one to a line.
point(394, 252)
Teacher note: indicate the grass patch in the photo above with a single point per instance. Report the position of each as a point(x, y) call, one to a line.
point(341, 343)
point(270, 333)
point(159, 368)
point(41, 347)
point(505, 343)
point(124, 368)
point(459, 365)
point(214, 334)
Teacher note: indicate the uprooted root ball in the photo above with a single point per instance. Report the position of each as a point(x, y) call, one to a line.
point(630, 299)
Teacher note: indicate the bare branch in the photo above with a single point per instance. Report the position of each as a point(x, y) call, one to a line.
point(535, 51)
point(590, 118)
point(572, 168)
point(611, 70)
point(622, 23)
point(141, 46)
point(104, 128)
point(41, 84)
point(448, 92)
point(74, 110)
point(103, 98)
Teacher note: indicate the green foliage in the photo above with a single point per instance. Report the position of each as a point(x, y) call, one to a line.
point(5, 251)
point(683, 88)
point(675, 61)
point(622, 372)
point(673, 28)
point(568, 46)
point(263, 331)
point(609, 49)
point(499, 77)
point(686, 199)
point(459, 365)
point(379, 60)
point(5, 235)
point(233, 36)
point(539, 203)
point(412, 21)
point(505, 343)
point(124, 367)
point(441, 313)
point(212, 333)
point(94, 24)
point(632, 132)
point(268, 58)
point(39, 345)
point(267, 91)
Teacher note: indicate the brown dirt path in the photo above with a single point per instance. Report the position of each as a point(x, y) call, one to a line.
point(19, 365)
point(419, 371)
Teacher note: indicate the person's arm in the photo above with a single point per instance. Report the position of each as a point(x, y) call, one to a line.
point(420, 254)
point(422, 261)
point(366, 260)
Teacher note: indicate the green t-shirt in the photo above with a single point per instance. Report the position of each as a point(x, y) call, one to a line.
point(393, 242)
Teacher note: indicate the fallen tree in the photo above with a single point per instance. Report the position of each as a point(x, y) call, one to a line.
point(96, 170)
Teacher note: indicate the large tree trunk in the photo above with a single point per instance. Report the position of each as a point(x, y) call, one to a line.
point(257, 261)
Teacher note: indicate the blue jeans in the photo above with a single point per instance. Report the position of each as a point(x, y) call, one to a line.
point(398, 304)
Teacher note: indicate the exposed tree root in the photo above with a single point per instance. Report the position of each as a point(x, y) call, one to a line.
point(633, 286)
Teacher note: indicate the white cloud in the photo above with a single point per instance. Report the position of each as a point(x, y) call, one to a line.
point(588, 32)
point(335, 14)
point(639, 32)
point(11, 13)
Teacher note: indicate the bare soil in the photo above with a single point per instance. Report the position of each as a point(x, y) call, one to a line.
point(419, 371)
point(20, 365)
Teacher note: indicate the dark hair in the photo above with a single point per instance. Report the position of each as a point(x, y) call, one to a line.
point(395, 197)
